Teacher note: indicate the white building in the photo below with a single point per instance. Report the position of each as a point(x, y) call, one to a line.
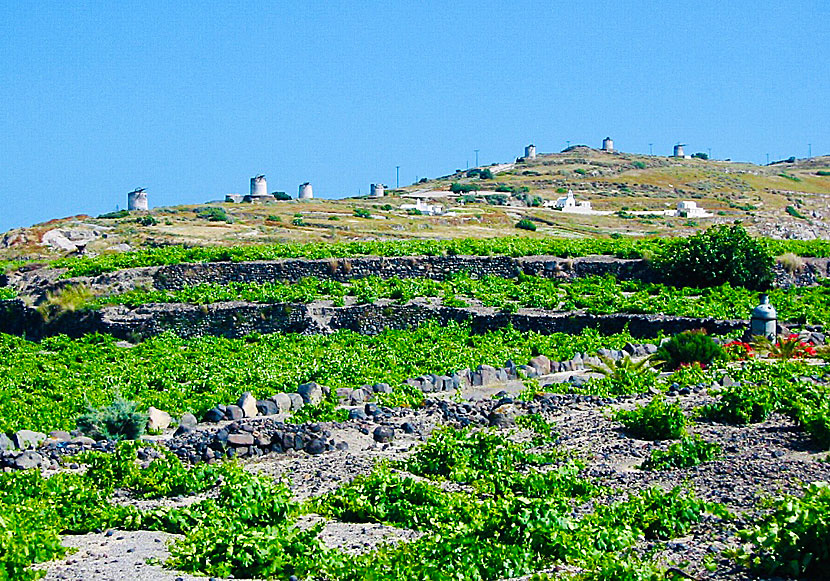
point(424, 208)
point(689, 209)
point(569, 204)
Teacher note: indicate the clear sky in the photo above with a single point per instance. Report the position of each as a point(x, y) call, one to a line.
point(191, 99)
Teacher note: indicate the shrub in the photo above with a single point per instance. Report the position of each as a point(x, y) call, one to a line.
point(298, 222)
point(362, 213)
point(485, 174)
point(526, 224)
point(700, 155)
point(496, 199)
point(721, 254)
point(741, 404)
point(458, 188)
point(687, 348)
point(114, 215)
point(213, 214)
point(639, 165)
point(686, 453)
point(387, 207)
point(793, 540)
point(792, 211)
point(281, 196)
point(823, 173)
point(273, 218)
point(791, 262)
point(413, 212)
point(656, 421)
point(147, 221)
point(116, 421)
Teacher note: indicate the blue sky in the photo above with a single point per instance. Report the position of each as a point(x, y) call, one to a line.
point(191, 99)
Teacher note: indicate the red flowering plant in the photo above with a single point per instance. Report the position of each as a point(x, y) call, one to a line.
point(790, 347)
point(738, 351)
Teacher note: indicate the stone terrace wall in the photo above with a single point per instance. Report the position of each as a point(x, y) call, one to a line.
point(37, 283)
point(237, 319)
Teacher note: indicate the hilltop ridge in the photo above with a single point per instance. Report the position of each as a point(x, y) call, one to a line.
point(629, 193)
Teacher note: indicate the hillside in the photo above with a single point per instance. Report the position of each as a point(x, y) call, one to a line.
point(628, 192)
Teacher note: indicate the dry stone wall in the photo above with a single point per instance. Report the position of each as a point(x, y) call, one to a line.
point(238, 319)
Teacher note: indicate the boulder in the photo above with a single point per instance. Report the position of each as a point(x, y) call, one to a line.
point(187, 424)
point(234, 412)
point(267, 407)
point(243, 439)
point(312, 392)
point(27, 460)
point(157, 419)
point(315, 446)
point(82, 441)
point(60, 435)
point(504, 415)
point(283, 402)
point(28, 439)
point(383, 434)
point(344, 394)
point(297, 401)
point(382, 388)
point(5, 443)
point(214, 415)
point(248, 404)
point(541, 364)
point(357, 414)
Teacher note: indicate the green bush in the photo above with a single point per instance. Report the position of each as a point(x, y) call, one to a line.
point(687, 348)
point(721, 254)
point(273, 218)
point(656, 421)
point(526, 224)
point(298, 222)
point(686, 453)
point(639, 165)
point(741, 404)
point(485, 174)
point(362, 213)
point(458, 188)
point(823, 173)
point(213, 214)
point(282, 196)
point(114, 215)
point(792, 211)
point(793, 540)
point(116, 421)
point(147, 221)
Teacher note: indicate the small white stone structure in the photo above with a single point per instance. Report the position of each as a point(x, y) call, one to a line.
point(259, 187)
point(530, 152)
point(377, 190)
point(305, 193)
point(234, 198)
point(569, 205)
point(424, 208)
point(679, 151)
point(608, 145)
point(689, 209)
point(137, 200)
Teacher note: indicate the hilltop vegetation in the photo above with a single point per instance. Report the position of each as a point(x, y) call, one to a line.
point(786, 200)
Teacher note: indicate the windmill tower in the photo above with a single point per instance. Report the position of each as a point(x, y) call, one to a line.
point(679, 151)
point(137, 199)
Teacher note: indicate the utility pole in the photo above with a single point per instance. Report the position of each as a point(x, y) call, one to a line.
point(710, 153)
point(397, 176)
point(767, 159)
point(651, 149)
point(809, 150)
point(568, 142)
point(476, 150)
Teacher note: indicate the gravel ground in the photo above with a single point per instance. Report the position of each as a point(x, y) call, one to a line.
point(760, 460)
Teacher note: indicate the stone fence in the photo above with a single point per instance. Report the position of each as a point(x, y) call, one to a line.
point(39, 282)
point(237, 319)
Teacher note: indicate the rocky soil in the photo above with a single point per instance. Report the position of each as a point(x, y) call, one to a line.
point(760, 460)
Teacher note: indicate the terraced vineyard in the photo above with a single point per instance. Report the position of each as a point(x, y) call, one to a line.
point(474, 455)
